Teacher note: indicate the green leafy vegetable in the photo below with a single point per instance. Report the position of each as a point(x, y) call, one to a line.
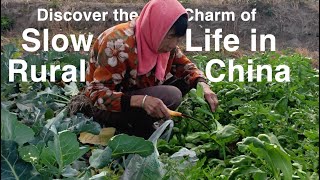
point(12, 166)
point(11, 129)
point(123, 144)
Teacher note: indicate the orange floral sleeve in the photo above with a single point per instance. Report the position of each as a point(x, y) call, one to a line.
point(182, 67)
point(106, 70)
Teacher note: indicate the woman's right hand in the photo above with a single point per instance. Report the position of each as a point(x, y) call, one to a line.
point(152, 105)
point(156, 108)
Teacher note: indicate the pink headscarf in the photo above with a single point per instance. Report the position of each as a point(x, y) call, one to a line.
point(155, 20)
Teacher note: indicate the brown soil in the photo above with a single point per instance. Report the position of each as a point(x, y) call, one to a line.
point(295, 24)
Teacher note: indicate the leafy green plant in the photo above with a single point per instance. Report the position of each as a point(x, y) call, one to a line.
point(249, 110)
point(269, 150)
point(6, 23)
point(261, 130)
point(12, 166)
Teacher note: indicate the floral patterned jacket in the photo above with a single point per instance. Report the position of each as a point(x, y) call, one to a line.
point(112, 69)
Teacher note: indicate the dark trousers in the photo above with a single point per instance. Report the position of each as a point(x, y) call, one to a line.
point(136, 121)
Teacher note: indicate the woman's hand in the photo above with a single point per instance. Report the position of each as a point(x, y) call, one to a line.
point(156, 108)
point(210, 96)
point(153, 106)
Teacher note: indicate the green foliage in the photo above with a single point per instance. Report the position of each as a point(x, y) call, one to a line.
point(123, 144)
point(261, 130)
point(6, 23)
point(30, 153)
point(65, 148)
point(271, 152)
point(13, 130)
point(55, 157)
point(247, 112)
point(100, 158)
point(12, 166)
point(34, 116)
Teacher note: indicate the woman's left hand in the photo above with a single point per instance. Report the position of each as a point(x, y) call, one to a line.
point(210, 96)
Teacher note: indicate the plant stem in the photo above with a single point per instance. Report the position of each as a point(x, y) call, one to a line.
point(224, 152)
point(198, 122)
point(62, 97)
point(83, 172)
point(59, 101)
point(124, 162)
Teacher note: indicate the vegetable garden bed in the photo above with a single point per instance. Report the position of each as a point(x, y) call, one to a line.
point(261, 130)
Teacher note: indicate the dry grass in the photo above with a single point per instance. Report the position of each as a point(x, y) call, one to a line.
point(213, 2)
point(314, 55)
point(295, 4)
point(282, 12)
